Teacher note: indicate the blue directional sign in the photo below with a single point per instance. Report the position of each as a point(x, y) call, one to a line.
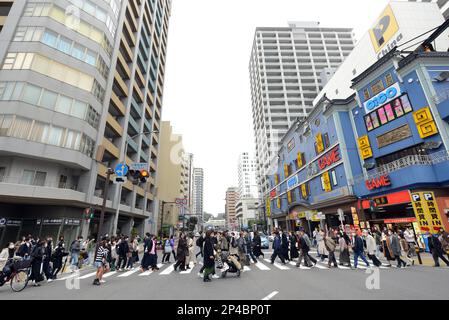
point(121, 170)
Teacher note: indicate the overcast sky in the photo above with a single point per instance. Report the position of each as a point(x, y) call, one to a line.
point(207, 93)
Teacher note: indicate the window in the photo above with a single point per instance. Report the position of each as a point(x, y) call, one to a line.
point(35, 178)
point(48, 99)
point(334, 178)
point(64, 104)
point(27, 177)
point(39, 178)
point(389, 79)
point(377, 87)
point(62, 182)
point(78, 52)
point(65, 45)
point(31, 94)
point(50, 38)
point(366, 94)
point(326, 141)
point(79, 109)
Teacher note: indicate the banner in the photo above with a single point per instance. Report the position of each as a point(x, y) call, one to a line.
point(427, 212)
point(268, 209)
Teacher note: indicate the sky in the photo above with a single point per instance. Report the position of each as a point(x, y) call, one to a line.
point(207, 94)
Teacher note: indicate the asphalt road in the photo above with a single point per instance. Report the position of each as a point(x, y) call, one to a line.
point(257, 282)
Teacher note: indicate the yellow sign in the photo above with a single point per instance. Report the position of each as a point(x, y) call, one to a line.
point(384, 29)
point(278, 202)
point(424, 123)
point(299, 160)
point(427, 212)
point(289, 197)
point(355, 217)
point(268, 209)
point(304, 191)
point(276, 179)
point(286, 171)
point(365, 147)
point(319, 143)
point(326, 182)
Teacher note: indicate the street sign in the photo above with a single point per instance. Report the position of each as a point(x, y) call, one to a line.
point(341, 215)
point(309, 215)
point(320, 216)
point(121, 170)
point(180, 202)
point(2, 222)
point(120, 180)
point(139, 166)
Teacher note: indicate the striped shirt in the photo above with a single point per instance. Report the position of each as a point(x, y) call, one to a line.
point(102, 253)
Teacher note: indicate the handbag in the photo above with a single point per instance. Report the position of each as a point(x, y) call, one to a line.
point(167, 247)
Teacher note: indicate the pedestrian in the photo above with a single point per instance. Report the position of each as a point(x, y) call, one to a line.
point(444, 239)
point(181, 253)
point(25, 249)
point(75, 249)
point(358, 250)
point(167, 251)
point(6, 254)
point(152, 253)
point(248, 248)
point(123, 249)
point(285, 245)
point(330, 247)
point(47, 267)
point(344, 244)
point(57, 257)
point(101, 262)
point(314, 236)
point(191, 247)
point(406, 248)
point(294, 254)
point(114, 254)
point(377, 235)
point(436, 249)
point(257, 245)
point(199, 243)
point(371, 248)
point(396, 248)
point(37, 256)
point(277, 249)
point(386, 247)
point(135, 250)
point(242, 249)
point(224, 250)
point(322, 252)
point(409, 236)
point(172, 244)
point(304, 247)
point(208, 253)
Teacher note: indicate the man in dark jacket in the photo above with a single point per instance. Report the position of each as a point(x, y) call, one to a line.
point(277, 249)
point(358, 249)
point(123, 249)
point(284, 245)
point(436, 249)
point(304, 247)
point(249, 249)
point(47, 259)
point(25, 249)
point(209, 259)
point(36, 260)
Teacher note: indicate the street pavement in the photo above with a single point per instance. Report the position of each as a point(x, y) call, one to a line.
point(258, 281)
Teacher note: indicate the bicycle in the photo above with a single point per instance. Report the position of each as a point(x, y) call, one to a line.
point(18, 277)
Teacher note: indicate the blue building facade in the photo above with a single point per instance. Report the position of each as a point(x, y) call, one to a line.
point(379, 157)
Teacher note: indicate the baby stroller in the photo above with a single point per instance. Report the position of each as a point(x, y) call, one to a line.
point(234, 266)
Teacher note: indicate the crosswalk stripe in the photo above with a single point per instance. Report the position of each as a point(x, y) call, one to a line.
point(344, 267)
point(277, 265)
point(191, 265)
point(168, 270)
point(111, 273)
point(127, 274)
point(293, 263)
point(246, 268)
point(146, 273)
point(262, 267)
point(320, 266)
point(87, 275)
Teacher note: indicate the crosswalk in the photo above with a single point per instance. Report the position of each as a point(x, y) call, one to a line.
point(263, 265)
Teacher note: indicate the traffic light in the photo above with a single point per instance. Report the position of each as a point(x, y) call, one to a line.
point(139, 176)
point(89, 213)
point(144, 175)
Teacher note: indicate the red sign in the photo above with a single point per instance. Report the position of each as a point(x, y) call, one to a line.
point(400, 220)
point(273, 194)
point(392, 198)
point(329, 159)
point(376, 183)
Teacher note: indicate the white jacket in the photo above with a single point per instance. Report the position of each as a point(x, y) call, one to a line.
point(371, 244)
point(3, 258)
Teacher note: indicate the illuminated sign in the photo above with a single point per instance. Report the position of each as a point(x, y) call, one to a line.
point(292, 182)
point(329, 159)
point(382, 98)
point(376, 183)
point(384, 29)
point(273, 194)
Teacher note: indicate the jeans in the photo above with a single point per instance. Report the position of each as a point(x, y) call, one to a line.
point(400, 261)
point(47, 269)
point(74, 259)
point(362, 256)
point(166, 257)
point(249, 253)
point(121, 262)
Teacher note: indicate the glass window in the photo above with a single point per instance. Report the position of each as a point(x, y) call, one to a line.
point(78, 52)
point(31, 94)
point(377, 87)
point(20, 128)
point(48, 99)
point(27, 177)
point(369, 123)
point(375, 120)
point(334, 177)
point(50, 38)
point(28, 34)
point(19, 61)
point(366, 94)
point(397, 105)
point(406, 104)
point(64, 104)
point(79, 109)
point(389, 112)
point(9, 88)
point(389, 79)
point(382, 116)
point(55, 136)
point(91, 57)
point(38, 132)
point(39, 178)
point(20, 33)
point(89, 8)
point(37, 34)
point(65, 45)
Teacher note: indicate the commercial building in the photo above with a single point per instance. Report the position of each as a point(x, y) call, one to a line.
point(198, 192)
point(232, 196)
point(442, 4)
point(285, 74)
point(379, 157)
point(171, 177)
point(80, 83)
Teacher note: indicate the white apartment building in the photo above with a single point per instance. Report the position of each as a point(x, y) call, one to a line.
point(198, 189)
point(285, 74)
point(442, 4)
point(247, 176)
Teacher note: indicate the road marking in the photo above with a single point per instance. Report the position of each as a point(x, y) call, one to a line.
point(87, 275)
point(344, 267)
point(191, 265)
point(146, 273)
point(127, 274)
point(109, 274)
point(168, 270)
point(319, 266)
point(279, 266)
point(261, 266)
point(66, 278)
point(304, 267)
point(271, 295)
point(246, 268)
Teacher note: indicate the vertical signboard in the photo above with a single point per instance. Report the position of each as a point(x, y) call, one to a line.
point(426, 211)
point(268, 209)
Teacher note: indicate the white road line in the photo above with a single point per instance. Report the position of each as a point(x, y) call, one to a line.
point(111, 273)
point(293, 263)
point(246, 268)
point(261, 266)
point(88, 275)
point(344, 267)
point(146, 273)
point(68, 277)
point(304, 267)
point(168, 270)
point(127, 274)
point(277, 265)
point(320, 266)
point(191, 265)
point(271, 295)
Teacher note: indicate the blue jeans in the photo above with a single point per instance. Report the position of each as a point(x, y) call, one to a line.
point(362, 256)
point(74, 259)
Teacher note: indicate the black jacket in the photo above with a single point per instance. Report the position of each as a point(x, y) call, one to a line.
point(38, 253)
point(24, 250)
point(208, 252)
point(123, 248)
point(435, 245)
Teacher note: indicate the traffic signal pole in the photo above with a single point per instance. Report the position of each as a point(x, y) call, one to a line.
point(103, 209)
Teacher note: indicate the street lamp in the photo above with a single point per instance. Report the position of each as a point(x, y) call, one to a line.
point(123, 159)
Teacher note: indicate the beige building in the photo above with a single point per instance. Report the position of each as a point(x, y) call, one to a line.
point(172, 177)
point(232, 196)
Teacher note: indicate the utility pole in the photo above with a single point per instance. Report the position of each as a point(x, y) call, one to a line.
point(162, 219)
point(103, 208)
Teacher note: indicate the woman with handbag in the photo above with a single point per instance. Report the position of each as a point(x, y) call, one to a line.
point(344, 243)
point(167, 251)
point(386, 247)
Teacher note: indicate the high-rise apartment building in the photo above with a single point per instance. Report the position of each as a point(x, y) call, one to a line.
point(81, 84)
point(5, 8)
point(198, 192)
point(188, 160)
point(442, 4)
point(232, 196)
point(247, 176)
point(285, 73)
